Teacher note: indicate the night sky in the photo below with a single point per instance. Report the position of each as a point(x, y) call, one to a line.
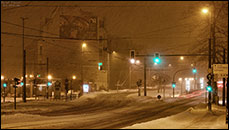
point(167, 27)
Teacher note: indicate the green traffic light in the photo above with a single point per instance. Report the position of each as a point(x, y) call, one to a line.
point(49, 83)
point(173, 85)
point(22, 83)
point(100, 64)
point(4, 85)
point(194, 70)
point(209, 88)
point(157, 60)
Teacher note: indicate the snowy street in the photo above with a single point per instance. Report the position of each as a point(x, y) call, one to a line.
point(100, 111)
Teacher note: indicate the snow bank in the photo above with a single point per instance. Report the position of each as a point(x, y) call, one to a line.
point(194, 118)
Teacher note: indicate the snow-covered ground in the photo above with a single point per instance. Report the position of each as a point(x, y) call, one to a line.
point(193, 118)
point(28, 115)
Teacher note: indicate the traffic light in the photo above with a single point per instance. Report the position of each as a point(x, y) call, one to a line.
point(100, 66)
point(132, 54)
point(156, 58)
point(22, 83)
point(17, 81)
point(209, 88)
point(173, 84)
point(4, 85)
point(49, 83)
point(38, 76)
point(194, 70)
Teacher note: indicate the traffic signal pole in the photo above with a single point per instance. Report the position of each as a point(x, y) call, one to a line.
point(209, 67)
point(224, 80)
point(4, 96)
point(145, 92)
point(23, 62)
point(24, 78)
point(145, 76)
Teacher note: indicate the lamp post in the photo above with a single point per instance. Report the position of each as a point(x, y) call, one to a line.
point(73, 78)
point(211, 38)
point(84, 45)
point(133, 62)
point(48, 84)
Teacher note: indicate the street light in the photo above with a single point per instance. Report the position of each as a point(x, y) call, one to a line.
point(2, 77)
point(132, 61)
point(49, 77)
point(73, 78)
point(137, 62)
point(84, 45)
point(205, 10)
point(31, 76)
point(182, 58)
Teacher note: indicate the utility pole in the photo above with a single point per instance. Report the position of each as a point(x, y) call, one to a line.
point(209, 67)
point(108, 71)
point(224, 80)
point(23, 61)
point(215, 89)
point(130, 76)
point(145, 76)
point(47, 67)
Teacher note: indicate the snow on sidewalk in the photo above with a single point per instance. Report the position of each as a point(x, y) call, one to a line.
point(193, 118)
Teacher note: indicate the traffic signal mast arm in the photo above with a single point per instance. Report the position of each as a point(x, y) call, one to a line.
point(173, 55)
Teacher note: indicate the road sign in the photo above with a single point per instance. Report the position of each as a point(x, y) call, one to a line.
point(220, 68)
point(221, 75)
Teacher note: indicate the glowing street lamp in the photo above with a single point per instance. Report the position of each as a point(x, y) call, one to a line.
point(205, 11)
point(2, 77)
point(84, 45)
point(137, 62)
point(73, 77)
point(49, 77)
point(132, 61)
point(180, 79)
point(182, 58)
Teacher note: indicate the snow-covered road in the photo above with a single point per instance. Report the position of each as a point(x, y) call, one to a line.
point(102, 111)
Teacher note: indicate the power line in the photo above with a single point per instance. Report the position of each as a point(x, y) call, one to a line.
point(14, 34)
point(101, 6)
point(29, 28)
point(8, 33)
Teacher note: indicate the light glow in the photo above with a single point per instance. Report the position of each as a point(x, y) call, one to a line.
point(49, 77)
point(137, 61)
point(84, 45)
point(85, 88)
point(205, 10)
point(132, 61)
